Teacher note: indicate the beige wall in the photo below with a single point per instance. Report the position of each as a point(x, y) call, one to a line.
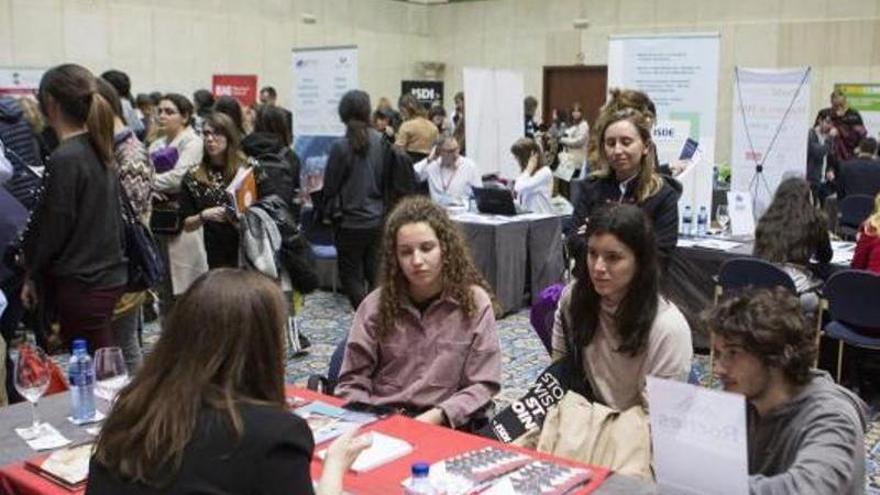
point(840, 39)
point(178, 44)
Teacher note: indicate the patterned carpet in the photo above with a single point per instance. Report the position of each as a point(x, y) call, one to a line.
point(326, 317)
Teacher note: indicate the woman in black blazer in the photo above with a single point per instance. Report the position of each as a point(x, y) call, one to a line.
point(206, 413)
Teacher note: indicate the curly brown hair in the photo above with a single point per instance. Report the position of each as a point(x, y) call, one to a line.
point(459, 273)
point(770, 324)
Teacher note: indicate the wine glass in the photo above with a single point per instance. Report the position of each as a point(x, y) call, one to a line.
point(723, 218)
point(111, 373)
point(31, 376)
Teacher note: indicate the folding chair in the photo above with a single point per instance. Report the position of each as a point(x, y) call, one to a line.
point(853, 210)
point(853, 298)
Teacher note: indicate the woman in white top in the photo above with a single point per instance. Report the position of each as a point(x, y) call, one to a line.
point(175, 116)
point(575, 137)
point(534, 186)
point(612, 326)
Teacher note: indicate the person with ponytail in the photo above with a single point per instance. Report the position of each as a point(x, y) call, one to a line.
point(353, 196)
point(73, 249)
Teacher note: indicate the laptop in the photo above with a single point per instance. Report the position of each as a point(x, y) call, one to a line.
point(495, 201)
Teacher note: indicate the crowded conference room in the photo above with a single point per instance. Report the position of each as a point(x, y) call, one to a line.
point(440, 247)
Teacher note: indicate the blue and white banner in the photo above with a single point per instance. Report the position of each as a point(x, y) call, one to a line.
point(320, 77)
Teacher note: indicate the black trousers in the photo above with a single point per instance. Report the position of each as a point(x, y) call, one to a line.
point(357, 252)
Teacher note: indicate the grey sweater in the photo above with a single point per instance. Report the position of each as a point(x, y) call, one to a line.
point(813, 444)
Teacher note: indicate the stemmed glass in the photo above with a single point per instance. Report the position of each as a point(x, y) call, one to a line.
point(111, 375)
point(31, 376)
point(723, 218)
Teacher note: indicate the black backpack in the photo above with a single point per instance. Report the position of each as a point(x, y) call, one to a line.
point(276, 176)
point(398, 176)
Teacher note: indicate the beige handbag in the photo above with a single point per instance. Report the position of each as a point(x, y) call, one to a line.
point(596, 434)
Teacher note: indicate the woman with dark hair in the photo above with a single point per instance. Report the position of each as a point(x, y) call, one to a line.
point(626, 173)
point(791, 232)
point(353, 196)
point(73, 250)
point(534, 186)
point(612, 324)
point(437, 116)
point(175, 113)
point(271, 141)
point(232, 108)
point(203, 200)
point(136, 175)
point(207, 413)
point(417, 134)
point(425, 341)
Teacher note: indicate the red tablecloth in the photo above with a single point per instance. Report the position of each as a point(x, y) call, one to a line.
point(431, 444)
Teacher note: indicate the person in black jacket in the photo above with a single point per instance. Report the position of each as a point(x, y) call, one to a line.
point(270, 142)
point(861, 175)
point(73, 250)
point(353, 196)
point(626, 173)
point(207, 412)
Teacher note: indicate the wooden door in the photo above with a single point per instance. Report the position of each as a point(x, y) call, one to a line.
point(564, 85)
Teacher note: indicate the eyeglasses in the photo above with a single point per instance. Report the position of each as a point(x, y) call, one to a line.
point(167, 110)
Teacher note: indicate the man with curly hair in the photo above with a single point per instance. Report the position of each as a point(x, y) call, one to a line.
point(806, 434)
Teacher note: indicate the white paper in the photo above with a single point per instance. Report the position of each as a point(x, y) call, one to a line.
point(843, 252)
point(46, 438)
point(382, 450)
point(502, 487)
point(97, 418)
point(739, 207)
point(718, 244)
point(699, 439)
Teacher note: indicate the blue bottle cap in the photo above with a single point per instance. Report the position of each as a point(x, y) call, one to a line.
point(420, 469)
point(80, 345)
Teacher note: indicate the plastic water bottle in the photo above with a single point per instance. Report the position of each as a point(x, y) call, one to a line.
point(81, 373)
point(419, 483)
point(702, 221)
point(687, 221)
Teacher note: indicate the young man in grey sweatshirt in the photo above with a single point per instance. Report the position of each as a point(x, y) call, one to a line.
point(806, 434)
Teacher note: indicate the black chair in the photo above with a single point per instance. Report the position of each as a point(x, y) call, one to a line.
point(853, 210)
point(320, 238)
point(853, 298)
point(326, 384)
point(739, 273)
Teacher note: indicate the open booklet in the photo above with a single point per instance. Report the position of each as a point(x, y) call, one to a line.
point(68, 467)
point(328, 422)
point(242, 191)
point(382, 450)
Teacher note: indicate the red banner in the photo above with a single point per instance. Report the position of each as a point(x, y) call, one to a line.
point(241, 87)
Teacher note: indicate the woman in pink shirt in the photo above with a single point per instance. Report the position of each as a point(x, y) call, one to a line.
point(425, 341)
point(867, 255)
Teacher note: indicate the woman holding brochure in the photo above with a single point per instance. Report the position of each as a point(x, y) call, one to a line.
point(207, 413)
point(425, 341)
point(203, 199)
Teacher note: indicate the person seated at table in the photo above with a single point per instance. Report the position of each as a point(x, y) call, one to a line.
point(425, 341)
point(207, 412)
point(806, 434)
point(612, 325)
point(534, 185)
point(790, 233)
point(867, 254)
point(626, 173)
point(450, 176)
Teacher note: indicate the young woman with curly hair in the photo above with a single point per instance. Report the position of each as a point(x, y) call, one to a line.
point(425, 341)
point(791, 232)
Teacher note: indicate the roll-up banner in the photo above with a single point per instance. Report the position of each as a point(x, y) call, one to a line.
point(679, 72)
point(770, 127)
point(320, 77)
point(493, 111)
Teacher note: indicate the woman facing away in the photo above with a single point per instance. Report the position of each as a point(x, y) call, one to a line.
point(353, 196)
point(417, 134)
point(612, 325)
point(73, 249)
point(207, 412)
point(534, 185)
point(790, 233)
point(425, 341)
